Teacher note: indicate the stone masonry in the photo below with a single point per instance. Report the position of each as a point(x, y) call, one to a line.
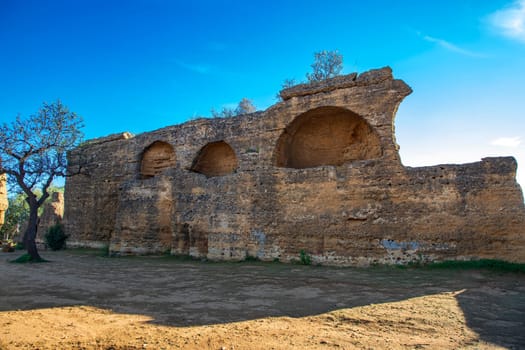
point(319, 172)
point(52, 214)
point(3, 198)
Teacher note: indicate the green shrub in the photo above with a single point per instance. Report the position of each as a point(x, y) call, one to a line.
point(305, 258)
point(488, 264)
point(104, 251)
point(55, 237)
point(26, 258)
point(251, 258)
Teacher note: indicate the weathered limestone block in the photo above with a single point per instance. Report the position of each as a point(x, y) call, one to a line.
point(338, 82)
point(3, 198)
point(344, 81)
point(51, 215)
point(157, 157)
point(98, 167)
point(318, 172)
point(215, 159)
point(144, 222)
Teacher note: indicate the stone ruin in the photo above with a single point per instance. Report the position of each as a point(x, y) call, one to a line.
point(318, 172)
point(52, 214)
point(4, 203)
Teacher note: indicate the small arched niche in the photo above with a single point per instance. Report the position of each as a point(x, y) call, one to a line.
point(215, 159)
point(157, 157)
point(326, 136)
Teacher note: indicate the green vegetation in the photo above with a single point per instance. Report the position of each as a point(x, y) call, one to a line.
point(304, 258)
point(17, 214)
point(55, 237)
point(481, 264)
point(245, 106)
point(15, 217)
point(288, 83)
point(486, 264)
point(327, 64)
point(26, 258)
point(251, 258)
point(34, 153)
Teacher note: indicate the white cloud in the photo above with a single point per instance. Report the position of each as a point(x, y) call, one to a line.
point(510, 21)
point(511, 142)
point(450, 46)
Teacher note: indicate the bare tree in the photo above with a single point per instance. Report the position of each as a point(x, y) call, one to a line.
point(33, 154)
point(224, 113)
point(327, 64)
point(288, 83)
point(245, 106)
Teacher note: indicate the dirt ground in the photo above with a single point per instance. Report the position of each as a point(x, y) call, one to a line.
point(82, 300)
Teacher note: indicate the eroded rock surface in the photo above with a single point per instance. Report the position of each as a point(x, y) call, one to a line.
point(51, 215)
point(3, 198)
point(318, 172)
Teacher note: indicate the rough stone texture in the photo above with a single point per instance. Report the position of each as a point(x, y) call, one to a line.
point(339, 82)
point(156, 158)
point(326, 136)
point(51, 215)
point(318, 172)
point(3, 198)
point(215, 159)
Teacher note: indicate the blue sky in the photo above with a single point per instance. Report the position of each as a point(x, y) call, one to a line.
point(141, 65)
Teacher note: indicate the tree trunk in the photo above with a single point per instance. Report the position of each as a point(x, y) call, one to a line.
point(30, 234)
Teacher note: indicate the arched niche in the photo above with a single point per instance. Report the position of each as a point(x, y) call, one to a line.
point(155, 158)
point(326, 136)
point(215, 159)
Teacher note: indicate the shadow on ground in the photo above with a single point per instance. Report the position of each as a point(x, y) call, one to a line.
point(187, 293)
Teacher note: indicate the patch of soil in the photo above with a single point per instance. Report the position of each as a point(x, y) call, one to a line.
point(84, 301)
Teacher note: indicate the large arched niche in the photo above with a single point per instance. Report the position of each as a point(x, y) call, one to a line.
point(215, 159)
point(155, 158)
point(326, 136)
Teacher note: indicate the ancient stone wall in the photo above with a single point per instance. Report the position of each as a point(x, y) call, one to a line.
point(318, 172)
point(3, 198)
point(52, 214)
